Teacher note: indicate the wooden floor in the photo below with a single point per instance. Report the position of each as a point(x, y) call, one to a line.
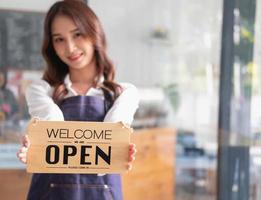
point(14, 184)
point(152, 176)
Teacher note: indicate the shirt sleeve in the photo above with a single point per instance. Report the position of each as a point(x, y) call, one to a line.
point(124, 106)
point(40, 103)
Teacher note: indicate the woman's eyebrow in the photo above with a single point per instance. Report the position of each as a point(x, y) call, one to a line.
point(72, 31)
point(75, 30)
point(56, 34)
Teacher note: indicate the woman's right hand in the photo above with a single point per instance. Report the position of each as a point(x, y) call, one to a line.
point(22, 152)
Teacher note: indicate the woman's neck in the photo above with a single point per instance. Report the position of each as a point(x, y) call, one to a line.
point(85, 75)
point(83, 79)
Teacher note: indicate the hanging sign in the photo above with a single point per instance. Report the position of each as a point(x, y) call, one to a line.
point(77, 147)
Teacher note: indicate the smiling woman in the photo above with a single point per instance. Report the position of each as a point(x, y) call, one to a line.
point(78, 42)
point(76, 50)
point(78, 85)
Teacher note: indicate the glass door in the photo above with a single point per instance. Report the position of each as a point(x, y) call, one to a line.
point(170, 50)
point(237, 117)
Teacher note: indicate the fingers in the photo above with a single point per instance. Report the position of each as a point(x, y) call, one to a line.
point(22, 157)
point(132, 145)
point(22, 153)
point(132, 149)
point(131, 157)
point(25, 141)
point(132, 152)
point(129, 166)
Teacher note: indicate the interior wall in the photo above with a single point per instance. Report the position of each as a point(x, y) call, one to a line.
point(145, 59)
point(26, 5)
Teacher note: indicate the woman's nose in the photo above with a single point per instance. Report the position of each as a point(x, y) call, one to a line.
point(70, 46)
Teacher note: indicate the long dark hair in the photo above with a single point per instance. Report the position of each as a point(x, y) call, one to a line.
point(90, 26)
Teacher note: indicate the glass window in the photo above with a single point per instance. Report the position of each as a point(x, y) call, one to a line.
point(171, 51)
point(20, 63)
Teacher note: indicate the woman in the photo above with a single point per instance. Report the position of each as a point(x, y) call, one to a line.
point(78, 85)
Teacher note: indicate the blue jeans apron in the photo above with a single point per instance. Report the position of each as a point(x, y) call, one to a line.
point(78, 186)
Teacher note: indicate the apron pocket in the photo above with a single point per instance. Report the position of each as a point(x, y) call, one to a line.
point(80, 192)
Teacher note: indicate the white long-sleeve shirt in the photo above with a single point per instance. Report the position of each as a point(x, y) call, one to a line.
point(41, 105)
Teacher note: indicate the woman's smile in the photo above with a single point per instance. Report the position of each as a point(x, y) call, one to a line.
point(75, 57)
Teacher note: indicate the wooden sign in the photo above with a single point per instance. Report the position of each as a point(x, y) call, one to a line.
point(77, 147)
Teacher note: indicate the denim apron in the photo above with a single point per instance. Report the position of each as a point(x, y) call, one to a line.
point(78, 186)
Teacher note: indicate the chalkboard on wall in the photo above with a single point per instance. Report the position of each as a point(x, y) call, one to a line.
point(21, 39)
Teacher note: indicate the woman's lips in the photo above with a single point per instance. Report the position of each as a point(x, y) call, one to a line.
point(74, 57)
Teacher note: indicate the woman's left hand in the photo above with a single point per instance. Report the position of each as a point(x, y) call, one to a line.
point(132, 152)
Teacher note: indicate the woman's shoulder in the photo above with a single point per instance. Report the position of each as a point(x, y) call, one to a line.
point(125, 105)
point(39, 86)
point(128, 86)
point(39, 83)
point(129, 91)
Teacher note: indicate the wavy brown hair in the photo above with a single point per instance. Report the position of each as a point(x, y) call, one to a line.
point(90, 27)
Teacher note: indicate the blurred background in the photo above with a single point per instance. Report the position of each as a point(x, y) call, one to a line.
point(197, 66)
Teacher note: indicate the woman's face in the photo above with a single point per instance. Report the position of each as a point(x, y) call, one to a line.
point(70, 45)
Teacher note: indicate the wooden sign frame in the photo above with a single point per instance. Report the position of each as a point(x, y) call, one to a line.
point(77, 147)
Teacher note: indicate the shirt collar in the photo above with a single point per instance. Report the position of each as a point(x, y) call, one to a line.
point(68, 85)
point(68, 82)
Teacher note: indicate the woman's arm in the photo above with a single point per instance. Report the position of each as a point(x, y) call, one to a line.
point(40, 103)
point(123, 110)
point(42, 106)
point(124, 106)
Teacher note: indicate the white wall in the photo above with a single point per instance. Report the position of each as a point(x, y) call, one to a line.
point(26, 5)
point(128, 25)
point(193, 28)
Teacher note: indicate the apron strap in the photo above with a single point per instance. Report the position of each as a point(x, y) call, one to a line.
point(108, 100)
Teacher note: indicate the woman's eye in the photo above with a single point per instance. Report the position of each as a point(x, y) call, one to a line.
point(78, 34)
point(57, 40)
